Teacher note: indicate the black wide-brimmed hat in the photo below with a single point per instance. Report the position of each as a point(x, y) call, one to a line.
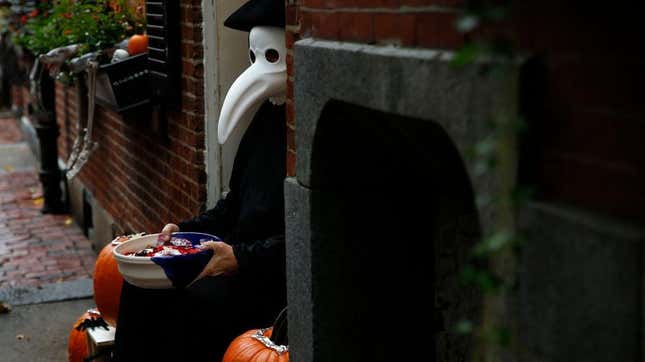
point(257, 13)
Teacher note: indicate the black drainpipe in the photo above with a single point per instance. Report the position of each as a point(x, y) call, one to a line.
point(47, 131)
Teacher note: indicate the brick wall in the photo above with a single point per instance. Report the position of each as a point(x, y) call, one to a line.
point(20, 97)
point(144, 178)
point(16, 96)
point(587, 126)
point(66, 117)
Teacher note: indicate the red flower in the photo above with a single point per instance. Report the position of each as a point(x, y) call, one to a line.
point(115, 6)
point(23, 19)
point(33, 13)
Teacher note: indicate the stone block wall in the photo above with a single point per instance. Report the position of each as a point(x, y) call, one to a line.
point(581, 290)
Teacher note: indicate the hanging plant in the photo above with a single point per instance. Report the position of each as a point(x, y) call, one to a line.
point(94, 25)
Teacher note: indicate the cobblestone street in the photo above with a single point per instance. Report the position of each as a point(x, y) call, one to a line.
point(35, 248)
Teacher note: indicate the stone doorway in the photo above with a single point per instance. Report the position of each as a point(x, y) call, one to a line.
point(360, 257)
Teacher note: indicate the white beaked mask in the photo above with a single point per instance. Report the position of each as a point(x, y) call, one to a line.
point(266, 78)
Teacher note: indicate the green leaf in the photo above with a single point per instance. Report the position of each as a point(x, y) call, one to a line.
point(467, 23)
point(522, 194)
point(481, 278)
point(492, 244)
point(464, 327)
point(503, 336)
point(466, 55)
point(486, 146)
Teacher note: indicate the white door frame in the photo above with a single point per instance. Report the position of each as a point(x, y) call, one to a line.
point(225, 57)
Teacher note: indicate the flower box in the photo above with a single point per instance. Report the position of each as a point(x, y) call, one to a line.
point(124, 85)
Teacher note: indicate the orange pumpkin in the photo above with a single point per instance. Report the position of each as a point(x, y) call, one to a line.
point(261, 344)
point(137, 44)
point(77, 343)
point(107, 283)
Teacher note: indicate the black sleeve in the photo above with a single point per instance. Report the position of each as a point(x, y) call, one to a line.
point(262, 257)
point(217, 221)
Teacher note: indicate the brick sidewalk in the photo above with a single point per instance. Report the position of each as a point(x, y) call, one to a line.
point(9, 131)
point(36, 249)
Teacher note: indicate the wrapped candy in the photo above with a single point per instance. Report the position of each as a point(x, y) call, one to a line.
point(176, 246)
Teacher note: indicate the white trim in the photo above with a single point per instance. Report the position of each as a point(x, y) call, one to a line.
point(212, 155)
point(225, 57)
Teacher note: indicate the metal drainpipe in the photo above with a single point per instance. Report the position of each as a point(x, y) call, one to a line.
point(47, 131)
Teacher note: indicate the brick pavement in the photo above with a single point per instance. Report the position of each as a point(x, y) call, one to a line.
point(9, 131)
point(36, 249)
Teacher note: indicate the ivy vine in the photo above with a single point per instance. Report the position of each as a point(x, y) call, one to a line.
point(494, 258)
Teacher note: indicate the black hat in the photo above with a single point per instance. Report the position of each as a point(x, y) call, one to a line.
point(257, 13)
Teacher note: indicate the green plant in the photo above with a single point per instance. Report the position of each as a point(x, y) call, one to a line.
point(93, 25)
point(494, 258)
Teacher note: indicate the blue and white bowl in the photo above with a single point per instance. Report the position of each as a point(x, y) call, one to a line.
point(161, 272)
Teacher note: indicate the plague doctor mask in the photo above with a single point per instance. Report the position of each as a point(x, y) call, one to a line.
point(266, 78)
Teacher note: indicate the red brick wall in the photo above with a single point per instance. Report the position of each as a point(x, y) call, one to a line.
point(590, 125)
point(20, 97)
point(16, 96)
point(66, 117)
point(141, 178)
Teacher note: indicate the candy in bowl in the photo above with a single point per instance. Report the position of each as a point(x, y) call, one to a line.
point(145, 263)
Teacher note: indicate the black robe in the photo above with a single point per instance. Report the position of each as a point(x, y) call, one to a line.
point(202, 319)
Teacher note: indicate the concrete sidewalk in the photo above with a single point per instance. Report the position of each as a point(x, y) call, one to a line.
point(39, 332)
point(46, 263)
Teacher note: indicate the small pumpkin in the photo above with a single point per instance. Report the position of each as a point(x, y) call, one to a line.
point(266, 345)
point(138, 44)
point(77, 342)
point(108, 282)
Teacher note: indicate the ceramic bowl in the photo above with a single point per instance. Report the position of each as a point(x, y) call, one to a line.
point(141, 271)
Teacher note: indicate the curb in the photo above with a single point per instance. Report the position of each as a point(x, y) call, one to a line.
point(52, 292)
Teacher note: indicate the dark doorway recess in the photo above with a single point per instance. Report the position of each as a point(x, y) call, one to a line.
point(392, 220)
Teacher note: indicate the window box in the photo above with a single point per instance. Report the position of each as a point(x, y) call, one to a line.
point(124, 85)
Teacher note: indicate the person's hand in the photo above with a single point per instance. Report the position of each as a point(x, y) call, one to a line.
point(166, 231)
point(223, 261)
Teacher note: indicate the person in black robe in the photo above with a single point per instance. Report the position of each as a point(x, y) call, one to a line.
point(243, 287)
point(198, 323)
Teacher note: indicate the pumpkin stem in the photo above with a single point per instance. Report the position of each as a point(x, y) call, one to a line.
point(280, 335)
